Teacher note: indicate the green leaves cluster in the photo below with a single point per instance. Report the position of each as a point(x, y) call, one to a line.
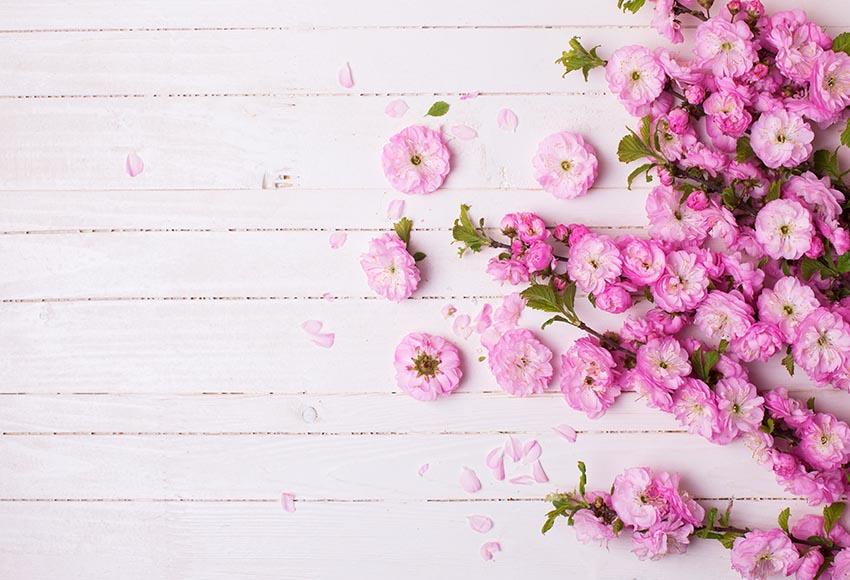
point(545, 298)
point(636, 146)
point(719, 532)
point(827, 265)
point(841, 43)
point(471, 237)
point(567, 504)
point(703, 361)
point(630, 5)
point(402, 228)
point(579, 58)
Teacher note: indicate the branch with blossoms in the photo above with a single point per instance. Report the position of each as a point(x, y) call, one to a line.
point(662, 520)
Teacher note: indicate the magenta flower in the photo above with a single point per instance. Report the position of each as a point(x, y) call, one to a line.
point(829, 89)
point(784, 229)
point(695, 407)
point(594, 262)
point(390, 269)
point(781, 139)
point(588, 375)
point(724, 316)
point(416, 160)
point(565, 165)
point(521, 363)
point(670, 219)
point(636, 77)
point(760, 342)
point(787, 305)
point(643, 260)
point(664, 361)
point(759, 554)
point(740, 408)
point(822, 344)
point(824, 442)
point(427, 366)
point(683, 285)
point(726, 48)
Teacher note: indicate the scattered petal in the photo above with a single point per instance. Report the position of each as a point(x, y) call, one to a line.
point(396, 108)
point(481, 524)
point(469, 481)
point(539, 474)
point(483, 320)
point(490, 548)
point(327, 297)
point(134, 164)
point(423, 468)
point(395, 209)
point(344, 76)
point(531, 451)
point(566, 432)
point(448, 311)
point(507, 120)
point(513, 448)
point(522, 480)
point(466, 96)
point(312, 326)
point(464, 132)
point(287, 501)
point(499, 470)
point(325, 339)
point(461, 326)
point(496, 462)
point(337, 240)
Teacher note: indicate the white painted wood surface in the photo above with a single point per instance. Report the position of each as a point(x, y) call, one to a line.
point(156, 392)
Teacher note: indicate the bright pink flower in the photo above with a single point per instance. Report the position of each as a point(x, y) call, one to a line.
point(528, 226)
point(510, 270)
point(759, 554)
point(635, 76)
point(664, 361)
point(724, 316)
point(683, 285)
point(739, 406)
point(630, 498)
point(594, 262)
point(784, 229)
point(521, 363)
point(416, 160)
point(781, 139)
point(797, 43)
point(824, 442)
point(390, 269)
point(616, 299)
point(823, 202)
point(664, 538)
point(786, 305)
point(427, 366)
point(822, 344)
point(694, 407)
point(813, 525)
point(587, 377)
point(565, 165)
point(725, 48)
point(665, 21)
point(538, 256)
point(808, 566)
point(727, 112)
point(760, 342)
point(829, 89)
point(781, 406)
point(643, 260)
point(840, 568)
point(670, 219)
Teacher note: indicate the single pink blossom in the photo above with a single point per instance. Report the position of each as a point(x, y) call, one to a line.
point(683, 284)
point(829, 89)
point(740, 408)
point(588, 376)
point(784, 229)
point(416, 160)
point(787, 304)
point(390, 269)
point(824, 442)
point(695, 407)
point(726, 48)
point(630, 498)
point(781, 139)
point(521, 363)
point(636, 76)
point(565, 165)
point(759, 554)
point(643, 260)
point(594, 262)
point(822, 344)
point(723, 316)
point(427, 366)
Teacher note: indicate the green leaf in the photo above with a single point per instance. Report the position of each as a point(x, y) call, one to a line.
point(419, 256)
point(570, 297)
point(831, 514)
point(768, 426)
point(641, 169)
point(819, 541)
point(808, 267)
point(723, 346)
point(826, 164)
point(841, 43)
point(810, 403)
point(579, 58)
point(727, 514)
point(783, 519)
point(845, 134)
point(465, 232)
point(403, 227)
point(709, 524)
point(438, 109)
point(843, 263)
point(542, 297)
point(728, 539)
point(582, 478)
point(631, 149)
point(553, 320)
point(788, 362)
point(786, 267)
point(730, 198)
point(774, 190)
point(743, 150)
point(550, 521)
point(631, 5)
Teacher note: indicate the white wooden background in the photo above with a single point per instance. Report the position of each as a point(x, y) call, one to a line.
point(157, 388)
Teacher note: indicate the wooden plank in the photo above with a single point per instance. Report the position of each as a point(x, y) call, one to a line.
point(346, 467)
point(153, 541)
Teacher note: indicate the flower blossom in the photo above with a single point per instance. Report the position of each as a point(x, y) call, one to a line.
point(724, 316)
point(636, 77)
point(521, 363)
point(725, 48)
point(822, 344)
point(587, 377)
point(390, 269)
point(784, 229)
point(683, 285)
point(759, 554)
point(427, 366)
point(786, 305)
point(594, 262)
point(565, 165)
point(781, 139)
point(416, 160)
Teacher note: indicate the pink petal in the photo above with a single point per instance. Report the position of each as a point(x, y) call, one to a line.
point(481, 524)
point(531, 451)
point(490, 548)
point(507, 120)
point(287, 501)
point(396, 108)
point(325, 340)
point(539, 474)
point(423, 468)
point(344, 76)
point(466, 96)
point(395, 209)
point(469, 481)
point(448, 311)
point(483, 320)
point(498, 471)
point(461, 326)
point(337, 240)
point(464, 132)
point(327, 297)
point(495, 457)
point(566, 432)
point(513, 448)
point(134, 164)
point(312, 326)
point(522, 480)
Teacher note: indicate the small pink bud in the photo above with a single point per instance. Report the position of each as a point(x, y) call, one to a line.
point(561, 232)
point(678, 121)
point(664, 176)
point(697, 200)
point(734, 7)
point(816, 249)
point(760, 70)
point(695, 94)
point(577, 232)
point(559, 284)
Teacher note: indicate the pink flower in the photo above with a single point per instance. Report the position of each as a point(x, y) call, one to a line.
point(781, 139)
point(724, 316)
point(829, 89)
point(822, 343)
point(784, 229)
point(643, 260)
point(587, 377)
point(594, 262)
point(786, 305)
point(824, 442)
point(630, 498)
point(427, 366)
point(591, 528)
point(510, 270)
point(506, 316)
point(665, 537)
point(616, 299)
point(694, 407)
point(840, 568)
point(823, 202)
point(538, 256)
point(727, 112)
point(635, 76)
point(664, 360)
point(521, 363)
point(760, 342)
point(665, 21)
point(390, 269)
point(565, 165)
point(813, 525)
point(725, 48)
point(683, 285)
point(416, 160)
point(670, 219)
point(797, 43)
point(808, 566)
point(528, 226)
point(739, 406)
point(759, 554)
point(781, 406)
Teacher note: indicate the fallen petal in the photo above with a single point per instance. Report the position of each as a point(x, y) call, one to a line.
point(327, 297)
point(531, 451)
point(325, 340)
point(448, 311)
point(134, 164)
point(539, 474)
point(522, 480)
point(507, 120)
point(483, 320)
point(395, 209)
point(461, 326)
point(287, 501)
point(465, 96)
point(396, 108)
point(423, 468)
point(498, 470)
point(344, 76)
point(464, 132)
point(566, 432)
point(495, 457)
point(337, 240)
point(469, 481)
point(312, 326)
point(513, 448)
point(481, 524)
point(490, 548)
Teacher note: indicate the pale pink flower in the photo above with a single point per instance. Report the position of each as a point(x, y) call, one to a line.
point(594, 262)
point(643, 260)
point(683, 285)
point(759, 554)
point(390, 269)
point(824, 442)
point(587, 377)
point(725, 47)
point(664, 360)
point(510, 270)
point(615, 298)
point(781, 139)
point(521, 363)
point(670, 219)
point(506, 316)
point(822, 344)
point(664, 538)
point(829, 89)
point(783, 407)
point(760, 342)
point(824, 203)
point(630, 498)
point(786, 305)
point(726, 110)
point(840, 568)
point(784, 229)
point(538, 256)
point(665, 22)
point(808, 566)
point(565, 165)
point(723, 316)
point(635, 76)
point(739, 406)
point(427, 366)
point(590, 528)
point(695, 407)
point(797, 44)
point(416, 160)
